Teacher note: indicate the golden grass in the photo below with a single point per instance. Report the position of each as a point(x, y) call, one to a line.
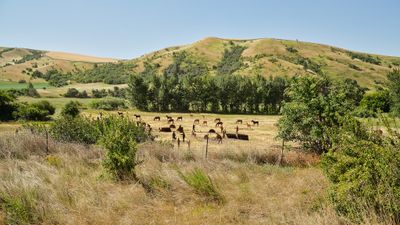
point(78, 57)
point(69, 186)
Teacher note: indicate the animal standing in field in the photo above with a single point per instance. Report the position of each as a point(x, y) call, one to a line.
point(157, 118)
point(180, 129)
point(244, 137)
point(217, 120)
point(255, 122)
point(137, 116)
point(168, 117)
point(120, 114)
point(219, 139)
point(179, 118)
point(171, 121)
point(239, 121)
point(172, 126)
point(219, 124)
point(193, 133)
point(196, 121)
point(212, 131)
point(205, 123)
point(248, 125)
point(173, 136)
point(183, 136)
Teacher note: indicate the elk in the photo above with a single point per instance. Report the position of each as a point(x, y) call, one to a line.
point(219, 124)
point(156, 118)
point(171, 121)
point(239, 121)
point(219, 139)
point(164, 129)
point(196, 121)
point(217, 120)
point(137, 116)
point(255, 122)
point(205, 122)
point(180, 129)
point(168, 117)
point(179, 118)
point(211, 131)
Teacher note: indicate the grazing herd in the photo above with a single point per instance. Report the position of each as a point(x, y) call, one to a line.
point(178, 134)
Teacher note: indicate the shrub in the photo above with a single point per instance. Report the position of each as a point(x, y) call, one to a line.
point(372, 103)
point(364, 171)
point(22, 81)
point(39, 111)
point(78, 129)
point(71, 109)
point(74, 93)
point(202, 184)
point(119, 138)
point(7, 106)
point(32, 92)
point(109, 104)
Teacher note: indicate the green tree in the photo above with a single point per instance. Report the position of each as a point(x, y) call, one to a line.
point(314, 111)
point(7, 106)
point(71, 109)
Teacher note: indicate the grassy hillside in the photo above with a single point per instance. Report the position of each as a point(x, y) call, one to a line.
point(17, 63)
point(283, 57)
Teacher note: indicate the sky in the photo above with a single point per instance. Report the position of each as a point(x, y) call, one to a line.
point(127, 28)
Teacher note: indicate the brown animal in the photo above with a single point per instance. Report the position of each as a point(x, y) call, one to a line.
point(120, 113)
point(255, 122)
point(219, 139)
point(248, 125)
point(211, 131)
point(168, 117)
point(205, 122)
point(164, 129)
point(173, 136)
point(171, 121)
point(156, 118)
point(217, 120)
point(137, 116)
point(231, 136)
point(219, 124)
point(193, 133)
point(244, 137)
point(239, 121)
point(172, 126)
point(196, 121)
point(179, 118)
point(180, 129)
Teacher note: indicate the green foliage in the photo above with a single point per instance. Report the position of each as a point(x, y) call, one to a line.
point(31, 91)
point(54, 77)
point(365, 57)
point(75, 129)
point(291, 49)
point(35, 54)
point(364, 169)
point(231, 60)
point(38, 111)
point(202, 184)
point(20, 209)
point(373, 103)
point(109, 104)
point(119, 138)
point(71, 109)
point(394, 90)
point(314, 111)
point(74, 93)
point(110, 73)
point(7, 106)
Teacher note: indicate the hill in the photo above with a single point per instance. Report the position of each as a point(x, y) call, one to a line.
point(18, 63)
point(282, 57)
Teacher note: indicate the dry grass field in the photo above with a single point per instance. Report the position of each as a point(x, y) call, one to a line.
point(69, 185)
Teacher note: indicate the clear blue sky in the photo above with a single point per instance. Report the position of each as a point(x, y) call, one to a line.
point(127, 29)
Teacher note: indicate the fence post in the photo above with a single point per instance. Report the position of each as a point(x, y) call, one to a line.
point(206, 145)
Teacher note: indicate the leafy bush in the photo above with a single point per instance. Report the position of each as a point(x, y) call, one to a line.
point(364, 171)
point(32, 92)
point(365, 57)
point(202, 184)
point(109, 104)
point(394, 90)
point(39, 111)
point(372, 103)
point(71, 109)
point(110, 73)
point(74, 93)
point(7, 106)
point(75, 129)
point(291, 49)
point(35, 54)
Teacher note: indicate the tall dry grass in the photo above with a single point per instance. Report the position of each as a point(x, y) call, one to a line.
point(69, 186)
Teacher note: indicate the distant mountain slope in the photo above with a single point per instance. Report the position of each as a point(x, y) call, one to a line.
point(16, 63)
point(282, 57)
